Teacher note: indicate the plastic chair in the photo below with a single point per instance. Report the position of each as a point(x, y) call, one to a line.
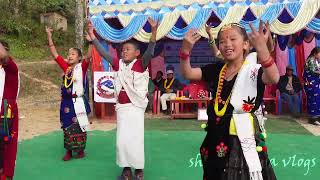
point(156, 107)
point(282, 102)
point(156, 102)
point(271, 96)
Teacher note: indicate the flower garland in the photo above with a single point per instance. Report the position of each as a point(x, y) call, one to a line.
point(66, 77)
point(170, 84)
point(218, 98)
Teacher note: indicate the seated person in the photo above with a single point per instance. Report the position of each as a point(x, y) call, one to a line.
point(154, 85)
point(151, 89)
point(169, 88)
point(290, 87)
point(158, 80)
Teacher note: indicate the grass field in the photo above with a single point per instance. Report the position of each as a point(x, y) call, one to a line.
point(171, 149)
point(283, 125)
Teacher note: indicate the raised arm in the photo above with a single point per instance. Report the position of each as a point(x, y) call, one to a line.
point(147, 56)
point(98, 45)
point(259, 40)
point(88, 56)
point(270, 43)
point(215, 51)
point(52, 48)
point(188, 42)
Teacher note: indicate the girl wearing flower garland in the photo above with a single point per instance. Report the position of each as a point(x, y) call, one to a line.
point(234, 147)
point(74, 108)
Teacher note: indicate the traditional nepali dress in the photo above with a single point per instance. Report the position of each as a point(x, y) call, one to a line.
point(74, 137)
point(312, 86)
point(131, 87)
point(9, 87)
point(221, 151)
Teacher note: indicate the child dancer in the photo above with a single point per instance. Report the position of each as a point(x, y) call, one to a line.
point(9, 88)
point(131, 87)
point(234, 147)
point(74, 108)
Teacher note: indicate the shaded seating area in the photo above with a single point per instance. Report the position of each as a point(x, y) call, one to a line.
point(193, 97)
point(283, 105)
point(156, 107)
point(276, 104)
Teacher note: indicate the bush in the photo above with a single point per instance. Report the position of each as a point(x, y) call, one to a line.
point(26, 35)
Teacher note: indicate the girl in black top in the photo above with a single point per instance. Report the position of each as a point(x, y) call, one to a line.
point(221, 152)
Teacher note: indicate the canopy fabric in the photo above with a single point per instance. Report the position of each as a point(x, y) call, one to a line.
point(133, 14)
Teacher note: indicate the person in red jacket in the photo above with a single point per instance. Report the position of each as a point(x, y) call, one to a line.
point(9, 87)
point(74, 106)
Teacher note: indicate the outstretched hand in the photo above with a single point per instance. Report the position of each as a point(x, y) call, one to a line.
point(90, 33)
point(190, 39)
point(49, 30)
point(88, 37)
point(259, 38)
point(154, 24)
point(90, 27)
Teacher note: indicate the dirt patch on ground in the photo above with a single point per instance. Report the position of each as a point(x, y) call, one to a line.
point(42, 117)
point(315, 130)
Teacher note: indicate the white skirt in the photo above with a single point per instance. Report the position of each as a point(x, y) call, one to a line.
point(130, 136)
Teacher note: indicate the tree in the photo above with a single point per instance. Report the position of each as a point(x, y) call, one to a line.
point(79, 24)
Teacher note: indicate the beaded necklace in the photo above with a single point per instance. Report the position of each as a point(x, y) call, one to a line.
point(218, 100)
point(169, 85)
point(67, 77)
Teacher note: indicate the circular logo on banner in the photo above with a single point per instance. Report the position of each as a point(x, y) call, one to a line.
point(105, 87)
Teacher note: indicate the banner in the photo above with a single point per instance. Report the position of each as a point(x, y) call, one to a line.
point(104, 87)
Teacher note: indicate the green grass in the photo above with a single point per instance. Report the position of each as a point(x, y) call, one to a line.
point(171, 146)
point(169, 155)
point(273, 125)
point(33, 46)
point(285, 126)
point(26, 49)
point(173, 125)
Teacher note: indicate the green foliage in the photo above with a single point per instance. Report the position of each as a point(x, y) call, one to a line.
point(24, 32)
point(23, 51)
point(35, 7)
point(33, 46)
